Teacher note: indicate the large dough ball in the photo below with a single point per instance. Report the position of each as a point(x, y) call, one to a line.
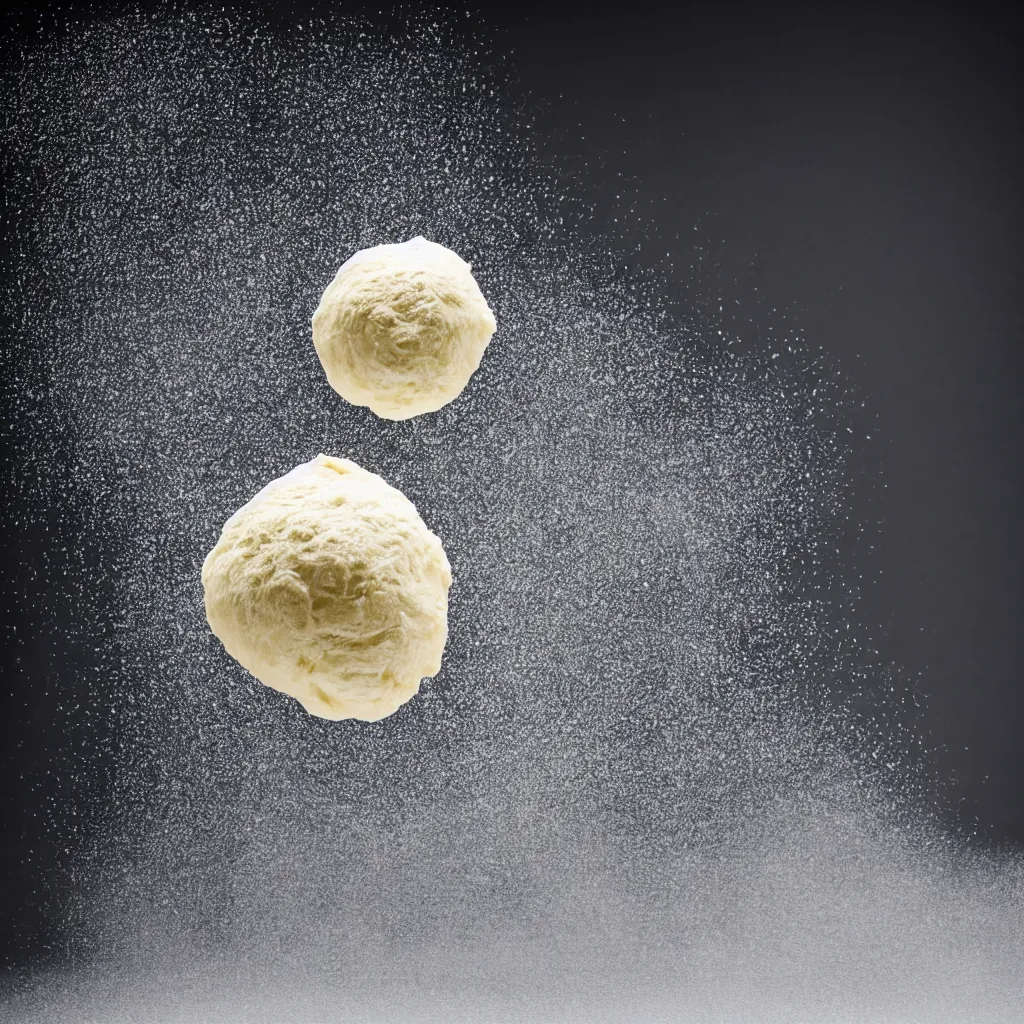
point(329, 587)
point(402, 328)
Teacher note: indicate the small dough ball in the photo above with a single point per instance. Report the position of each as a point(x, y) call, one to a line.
point(402, 328)
point(329, 587)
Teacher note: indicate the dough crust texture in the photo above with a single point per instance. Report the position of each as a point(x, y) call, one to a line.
point(402, 328)
point(329, 587)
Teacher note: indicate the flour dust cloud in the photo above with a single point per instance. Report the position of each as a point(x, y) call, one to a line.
point(635, 790)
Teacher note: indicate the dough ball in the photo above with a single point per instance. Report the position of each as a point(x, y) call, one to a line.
point(329, 587)
point(402, 328)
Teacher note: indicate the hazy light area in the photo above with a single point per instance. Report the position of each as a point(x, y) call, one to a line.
point(637, 790)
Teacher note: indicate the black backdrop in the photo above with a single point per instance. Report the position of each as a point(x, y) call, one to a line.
point(861, 170)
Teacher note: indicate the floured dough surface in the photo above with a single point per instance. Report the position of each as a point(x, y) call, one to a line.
point(329, 587)
point(402, 328)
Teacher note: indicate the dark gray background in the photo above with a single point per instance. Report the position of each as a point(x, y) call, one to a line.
point(861, 169)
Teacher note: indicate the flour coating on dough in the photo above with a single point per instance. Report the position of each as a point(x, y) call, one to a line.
point(328, 586)
point(402, 328)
